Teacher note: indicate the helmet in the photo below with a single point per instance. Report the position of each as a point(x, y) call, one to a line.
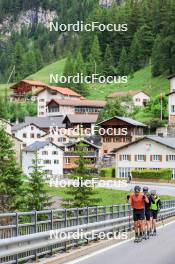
point(145, 189)
point(153, 192)
point(137, 189)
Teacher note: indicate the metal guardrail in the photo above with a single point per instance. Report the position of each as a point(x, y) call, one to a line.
point(24, 223)
point(31, 246)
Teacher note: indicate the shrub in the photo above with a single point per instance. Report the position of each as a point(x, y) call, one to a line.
point(107, 172)
point(163, 174)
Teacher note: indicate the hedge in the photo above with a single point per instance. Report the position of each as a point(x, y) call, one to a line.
point(164, 174)
point(107, 172)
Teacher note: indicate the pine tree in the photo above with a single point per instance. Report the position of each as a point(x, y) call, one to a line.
point(135, 54)
point(37, 194)
point(11, 177)
point(94, 58)
point(156, 58)
point(108, 64)
point(81, 195)
point(123, 68)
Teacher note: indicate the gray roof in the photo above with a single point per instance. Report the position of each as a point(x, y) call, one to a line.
point(166, 141)
point(38, 145)
point(78, 118)
point(127, 120)
point(41, 122)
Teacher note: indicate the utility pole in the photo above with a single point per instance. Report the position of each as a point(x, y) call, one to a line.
point(161, 106)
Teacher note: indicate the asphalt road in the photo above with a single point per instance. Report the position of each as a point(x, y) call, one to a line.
point(161, 188)
point(156, 250)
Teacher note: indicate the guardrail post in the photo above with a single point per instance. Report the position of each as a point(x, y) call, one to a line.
point(65, 218)
point(112, 212)
point(96, 210)
point(87, 215)
point(77, 215)
point(17, 227)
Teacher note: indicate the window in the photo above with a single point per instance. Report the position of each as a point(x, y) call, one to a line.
point(32, 135)
point(41, 107)
point(171, 158)
point(125, 157)
point(56, 161)
point(38, 135)
point(32, 128)
point(140, 157)
point(44, 152)
point(24, 145)
point(124, 172)
point(67, 160)
point(173, 109)
point(137, 99)
point(41, 100)
point(47, 161)
point(54, 109)
point(54, 152)
point(156, 158)
point(24, 135)
point(41, 113)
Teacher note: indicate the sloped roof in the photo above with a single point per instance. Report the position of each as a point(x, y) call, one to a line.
point(31, 82)
point(127, 93)
point(62, 90)
point(166, 141)
point(79, 118)
point(38, 145)
point(78, 102)
point(127, 120)
point(40, 122)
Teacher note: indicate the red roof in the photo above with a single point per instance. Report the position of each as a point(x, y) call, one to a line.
point(62, 90)
point(30, 82)
point(78, 102)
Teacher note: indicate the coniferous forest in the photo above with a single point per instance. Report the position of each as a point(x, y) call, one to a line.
point(149, 39)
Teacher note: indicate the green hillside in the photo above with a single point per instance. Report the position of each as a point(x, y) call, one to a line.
point(142, 79)
point(43, 74)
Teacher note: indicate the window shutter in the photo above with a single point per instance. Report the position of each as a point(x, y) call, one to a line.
point(144, 157)
point(161, 158)
point(166, 157)
point(120, 157)
point(135, 157)
point(151, 158)
point(129, 158)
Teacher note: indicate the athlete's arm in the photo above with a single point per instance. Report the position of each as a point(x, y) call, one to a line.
point(146, 198)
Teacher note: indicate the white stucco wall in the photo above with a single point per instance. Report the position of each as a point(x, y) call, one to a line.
point(28, 131)
point(57, 169)
point(148, 148)
point(142, 97)
point(172, 84)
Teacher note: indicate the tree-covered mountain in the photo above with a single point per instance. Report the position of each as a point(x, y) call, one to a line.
point(149, 39)
point(25, 40)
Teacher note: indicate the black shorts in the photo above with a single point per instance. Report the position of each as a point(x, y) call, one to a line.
point(138, 214)
point(147, 215)
point(154, 214)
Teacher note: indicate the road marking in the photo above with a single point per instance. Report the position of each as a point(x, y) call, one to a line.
point(110, 247)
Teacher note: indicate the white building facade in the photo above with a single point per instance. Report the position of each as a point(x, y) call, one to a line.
point(55, 93)
point(147, 153)
point(50, 158)
point(28, 133)
point(140, 99)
